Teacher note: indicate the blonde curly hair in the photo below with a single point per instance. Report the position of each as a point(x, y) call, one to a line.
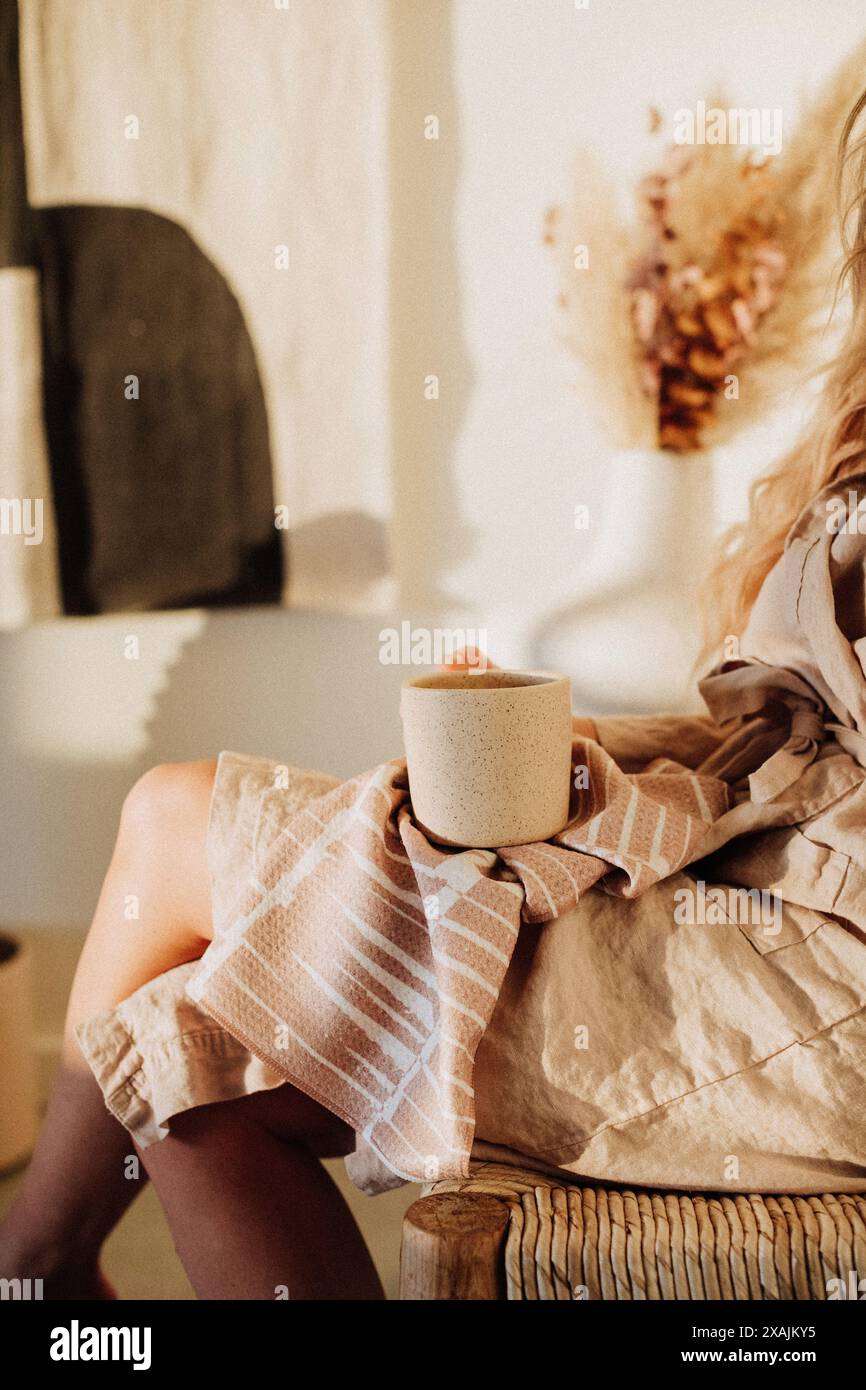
point(833, 446)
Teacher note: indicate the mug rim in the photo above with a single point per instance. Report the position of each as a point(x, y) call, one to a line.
point(430, 681)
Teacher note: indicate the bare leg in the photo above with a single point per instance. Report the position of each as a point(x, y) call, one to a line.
point(249, 1203)
point(75, 1189)
point(253, 1213)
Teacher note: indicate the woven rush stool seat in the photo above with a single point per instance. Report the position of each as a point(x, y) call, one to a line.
point(515, 1233)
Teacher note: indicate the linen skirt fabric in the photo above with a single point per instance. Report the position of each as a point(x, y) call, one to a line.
point(624, 1046)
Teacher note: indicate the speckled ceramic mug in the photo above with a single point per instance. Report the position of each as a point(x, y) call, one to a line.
point(489, 755)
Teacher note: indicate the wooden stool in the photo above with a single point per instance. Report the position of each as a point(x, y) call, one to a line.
point(513, 1233)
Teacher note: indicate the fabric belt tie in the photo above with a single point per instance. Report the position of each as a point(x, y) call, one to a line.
point(783, 767)
point(808, 731)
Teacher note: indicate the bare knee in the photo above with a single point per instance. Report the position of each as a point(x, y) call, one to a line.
point(162, 844)
point(170, 799)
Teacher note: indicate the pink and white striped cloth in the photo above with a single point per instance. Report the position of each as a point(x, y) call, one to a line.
point(365, 962)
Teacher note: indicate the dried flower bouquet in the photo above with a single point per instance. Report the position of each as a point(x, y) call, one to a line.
point(693, 316)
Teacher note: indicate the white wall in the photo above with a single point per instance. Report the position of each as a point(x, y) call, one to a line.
point(485, 479)
point(80, 721)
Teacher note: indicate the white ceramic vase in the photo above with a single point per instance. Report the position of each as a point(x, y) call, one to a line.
point(630, 637)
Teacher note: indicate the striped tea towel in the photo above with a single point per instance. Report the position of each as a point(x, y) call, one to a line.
point(366, 962)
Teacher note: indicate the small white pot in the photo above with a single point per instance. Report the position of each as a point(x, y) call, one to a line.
point(18, 1111)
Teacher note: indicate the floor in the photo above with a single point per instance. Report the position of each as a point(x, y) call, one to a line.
point(139, 1257)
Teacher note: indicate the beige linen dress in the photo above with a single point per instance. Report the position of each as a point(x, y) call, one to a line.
point(673, 1040)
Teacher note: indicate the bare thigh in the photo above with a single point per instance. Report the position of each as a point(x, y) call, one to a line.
point(284, 1112)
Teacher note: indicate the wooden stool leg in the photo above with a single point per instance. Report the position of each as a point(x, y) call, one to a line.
point(453, 1248)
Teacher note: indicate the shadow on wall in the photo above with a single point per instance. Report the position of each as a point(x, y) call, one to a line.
point(349, 554)
point(305, 689)
point(431, 374)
